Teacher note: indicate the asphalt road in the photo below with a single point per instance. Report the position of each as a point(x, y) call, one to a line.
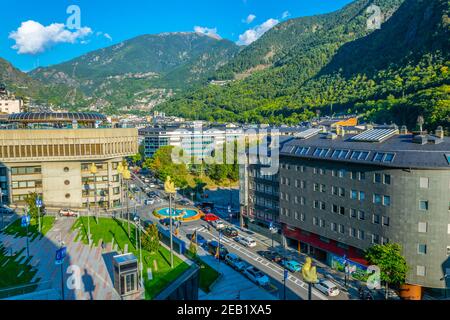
point(296, 289)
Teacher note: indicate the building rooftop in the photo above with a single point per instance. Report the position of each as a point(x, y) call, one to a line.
point(398, 150)
point(46, 117)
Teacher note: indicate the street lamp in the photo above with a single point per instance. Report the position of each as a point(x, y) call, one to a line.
point(93, 170)
point(137, 220)
point(169, 188)
point(127, 176)
point(87, 188)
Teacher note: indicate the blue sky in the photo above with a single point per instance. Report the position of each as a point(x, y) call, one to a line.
point(105, 23)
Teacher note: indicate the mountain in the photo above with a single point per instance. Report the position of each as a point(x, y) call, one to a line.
point(142, 71)
point(333, 63)
point(22, 85)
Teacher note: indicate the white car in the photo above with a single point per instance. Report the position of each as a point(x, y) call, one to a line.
point(246, 241)
point(327, 287)
point(69, 213)
point(152, 185)
point(218, 224)
point(147, 180)
point(257, 276)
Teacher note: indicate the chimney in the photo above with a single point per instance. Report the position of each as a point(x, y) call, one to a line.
point(403, 130)
point(440, 132)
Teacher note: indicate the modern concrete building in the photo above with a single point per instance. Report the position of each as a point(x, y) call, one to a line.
point(50, 154)
point(9, 105)
point(195, 140)
point(341, 194)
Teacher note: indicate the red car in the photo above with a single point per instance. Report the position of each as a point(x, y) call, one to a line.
point(210, 217)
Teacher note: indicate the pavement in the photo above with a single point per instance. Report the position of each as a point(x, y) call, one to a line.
point(95, 281)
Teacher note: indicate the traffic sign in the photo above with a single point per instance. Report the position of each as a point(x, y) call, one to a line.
point(38, 203)
point(60, 255)
point(25, 221)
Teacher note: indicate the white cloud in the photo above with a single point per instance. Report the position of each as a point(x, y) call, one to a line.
point(32, 37)
point(255, 33)
point(250, 18)
point(107, 36)
point(210, 32)
point(285, 15)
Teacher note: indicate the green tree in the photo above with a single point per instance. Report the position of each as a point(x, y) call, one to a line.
point(31, 203)
point(150, 239)
point(193, 246)
point(389, 259)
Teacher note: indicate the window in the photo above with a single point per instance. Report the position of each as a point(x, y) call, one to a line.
point(422, 227)
point(67, 195)
point(322, 223)
point(353, 213)
point(375, 239)
point(448, 250)
point(352, 232)
point(423, 205)
point(422, 249)
point(377, 178)
point(66, 169)
point(376, 199)
point(361, 215)
point(67, 182)
point(341, 228)
point(387, 179)
point(354, 194)
point(361, 235)
point(386, 221)
point(341, 173)
point(315, 221)
point(386, 201)
point(333, 227)
point(378, 157)
point(320, 152)
point(421, 271)
point(424, 183)
point(389, 157)
point(362, 195)
point(376, 219)
point(448, 228)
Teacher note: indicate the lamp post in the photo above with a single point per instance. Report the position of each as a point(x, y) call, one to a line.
point(127, 176)
point(169, 188)
point(87, 189)
point(93, 170)
point(141, 266)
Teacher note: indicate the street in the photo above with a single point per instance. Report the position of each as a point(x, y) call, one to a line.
point(295, 288)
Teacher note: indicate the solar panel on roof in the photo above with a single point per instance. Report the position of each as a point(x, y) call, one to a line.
point(307, 133)
point(375, 135)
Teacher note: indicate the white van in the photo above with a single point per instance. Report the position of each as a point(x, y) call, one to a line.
point(327, 287)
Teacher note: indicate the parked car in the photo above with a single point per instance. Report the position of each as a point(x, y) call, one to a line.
point(327, 287)
point(69, 213)
point(257, 276)
point(7, 211)
point(198, 239)
point(165, 222)
point(147, 180)
point(230, 232)
point(235, 262)
point(218, 224)
point(246, 241)
point(212, 248)
point(210, 217)
point(152, 185)
point(291, 265)
point(271, 256)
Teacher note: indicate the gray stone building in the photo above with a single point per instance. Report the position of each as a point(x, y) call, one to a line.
point(341, 194)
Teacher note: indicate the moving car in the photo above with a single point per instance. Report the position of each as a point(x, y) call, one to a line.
point(198, 239)
point(291, 265)
point(212, 249)
point(271, 256)
point(152, 185)
point(246, 241)
point(210, 217)
point(327, 287)
point(230, 232)
point(257, 276)
point(218, 224)
point(235, 262)
point(69, 213)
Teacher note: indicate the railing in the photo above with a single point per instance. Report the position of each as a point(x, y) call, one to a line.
point(25, 289)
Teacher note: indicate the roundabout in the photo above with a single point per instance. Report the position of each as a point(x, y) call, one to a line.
point(182, 214)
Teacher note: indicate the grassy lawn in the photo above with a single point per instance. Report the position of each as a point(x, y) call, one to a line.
point(109, 229)
point(16, 230)
point(207, 274)
point(15, 273)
